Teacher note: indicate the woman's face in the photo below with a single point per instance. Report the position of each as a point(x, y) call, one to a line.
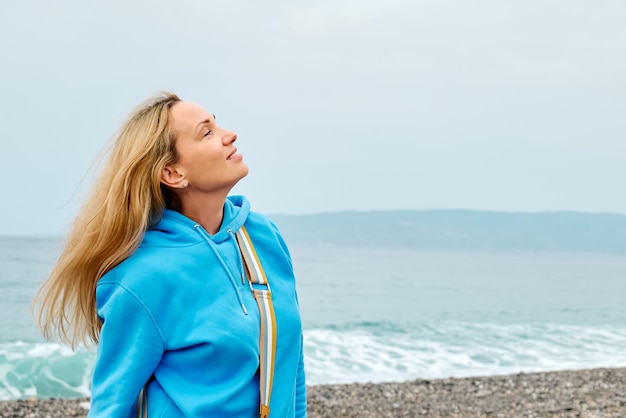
point(207, 157)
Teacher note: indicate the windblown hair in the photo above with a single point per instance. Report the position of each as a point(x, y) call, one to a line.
point(127, 199)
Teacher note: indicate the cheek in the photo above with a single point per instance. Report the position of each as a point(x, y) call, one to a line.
point(189, 155)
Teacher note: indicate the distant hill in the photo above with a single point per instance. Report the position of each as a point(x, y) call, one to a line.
point(460, 230)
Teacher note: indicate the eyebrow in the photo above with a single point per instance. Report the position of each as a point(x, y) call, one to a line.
point(206, 121)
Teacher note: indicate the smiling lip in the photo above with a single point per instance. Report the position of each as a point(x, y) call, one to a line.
point(234, 156)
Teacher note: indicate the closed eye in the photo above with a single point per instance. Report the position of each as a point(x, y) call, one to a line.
point(208, 132)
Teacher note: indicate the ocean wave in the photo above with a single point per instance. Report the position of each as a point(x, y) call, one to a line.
point(43, 370)
point(362, 352)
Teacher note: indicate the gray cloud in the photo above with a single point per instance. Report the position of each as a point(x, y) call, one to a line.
point(338, 105)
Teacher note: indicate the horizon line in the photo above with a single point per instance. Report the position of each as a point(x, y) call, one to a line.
point(63, 234)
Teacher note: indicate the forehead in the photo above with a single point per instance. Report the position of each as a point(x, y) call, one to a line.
point(187, 115)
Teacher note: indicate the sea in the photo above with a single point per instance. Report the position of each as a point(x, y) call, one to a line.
point(378, 314)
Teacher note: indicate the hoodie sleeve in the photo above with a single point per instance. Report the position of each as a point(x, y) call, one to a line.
point(301, 386)
point(301, 400)
point(130, 347)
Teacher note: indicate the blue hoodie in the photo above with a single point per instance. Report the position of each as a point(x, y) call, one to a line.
point(179, 313)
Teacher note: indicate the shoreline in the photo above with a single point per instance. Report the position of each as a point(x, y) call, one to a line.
point(588, 393)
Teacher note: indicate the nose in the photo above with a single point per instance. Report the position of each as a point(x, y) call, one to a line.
point(229, 137)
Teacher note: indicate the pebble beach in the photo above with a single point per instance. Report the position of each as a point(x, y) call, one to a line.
point(590, 393)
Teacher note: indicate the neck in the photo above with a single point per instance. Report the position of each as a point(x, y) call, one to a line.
point(207, 210)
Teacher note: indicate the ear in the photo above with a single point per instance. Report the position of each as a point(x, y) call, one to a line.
point(171, 177)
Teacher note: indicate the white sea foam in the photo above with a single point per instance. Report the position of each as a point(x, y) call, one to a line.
point(457, 349)
point(43, 370)
point(363, 353)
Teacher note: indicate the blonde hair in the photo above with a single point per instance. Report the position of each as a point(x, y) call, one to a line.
point(127, 199)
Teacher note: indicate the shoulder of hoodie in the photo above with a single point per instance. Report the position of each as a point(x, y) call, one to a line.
point(261, 220)
point(267, 227)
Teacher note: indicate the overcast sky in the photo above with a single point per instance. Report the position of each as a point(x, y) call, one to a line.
point(339, 105)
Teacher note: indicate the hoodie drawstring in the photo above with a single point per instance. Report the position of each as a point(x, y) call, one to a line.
point(219, 257)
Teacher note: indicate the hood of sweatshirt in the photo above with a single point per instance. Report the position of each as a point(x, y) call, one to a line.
point(176, 230)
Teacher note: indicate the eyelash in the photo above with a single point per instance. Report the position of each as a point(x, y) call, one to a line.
point(207, 133)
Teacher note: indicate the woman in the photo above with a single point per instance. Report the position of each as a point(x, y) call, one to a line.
point(153, 272)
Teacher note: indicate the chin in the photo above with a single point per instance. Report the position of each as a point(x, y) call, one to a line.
point(244, 171)
point(240, 175)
